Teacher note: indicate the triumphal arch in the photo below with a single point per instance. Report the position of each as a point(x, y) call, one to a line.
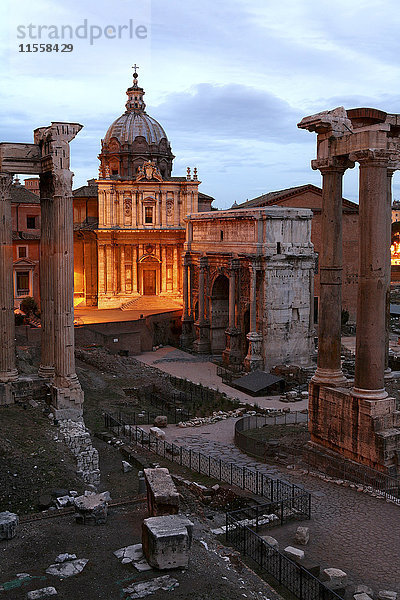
point(48, 157)
point(356, 419)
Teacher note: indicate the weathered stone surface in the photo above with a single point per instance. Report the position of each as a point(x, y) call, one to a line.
point(162, 495)
point(363, 589)
point(91, 509)
point(61, 558)
point(141, 590)
point(126, 467)
point(294, 554)
point(336, 578)
point(8, 525)
point(302, 536)
point(362, 596)
point(161, 421)
point(167, 541)
point(271, 541)
point(42, 593)
point(387, 595)
point(157, 432)
point(133, 554)
point(68, 568)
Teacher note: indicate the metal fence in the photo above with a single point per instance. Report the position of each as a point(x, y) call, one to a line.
point(243, 477)
point(295, 578)
point(340, 468)
point(262, 448)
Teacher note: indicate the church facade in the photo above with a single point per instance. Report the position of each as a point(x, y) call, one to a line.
point(130, 222)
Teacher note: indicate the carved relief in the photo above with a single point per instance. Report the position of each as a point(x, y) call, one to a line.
point(148, 171)
point(128, 206)
point(5, 185)
point(62, 180)
point(170, 207)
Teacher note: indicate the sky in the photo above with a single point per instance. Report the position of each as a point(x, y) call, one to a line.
point(228, 81)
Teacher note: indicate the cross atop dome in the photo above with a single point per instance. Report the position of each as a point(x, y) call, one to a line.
point(135, 94)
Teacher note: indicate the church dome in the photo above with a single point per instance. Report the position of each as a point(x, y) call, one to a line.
point(133, 139)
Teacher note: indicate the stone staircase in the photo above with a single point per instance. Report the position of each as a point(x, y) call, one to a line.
point(152, 303)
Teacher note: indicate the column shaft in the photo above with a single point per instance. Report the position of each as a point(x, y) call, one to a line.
point(372, 282)
point(122, 268)
point(185, 290)
point(175, 269)
point(8, 371)
point(253, 299)
point(232, 298)
point(330, 304)
point(46, 368)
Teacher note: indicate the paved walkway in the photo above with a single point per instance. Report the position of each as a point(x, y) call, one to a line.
point(200, 370)
point(350, 530)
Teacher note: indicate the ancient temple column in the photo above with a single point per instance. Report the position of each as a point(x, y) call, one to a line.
point(46, 368)
point(187, 319)
point(254, 358)
point(372, 281)
point(202, 342)
point(390, 172)
point(232, 353)
point(67, 395)
point(8, 371)
point(329, 370)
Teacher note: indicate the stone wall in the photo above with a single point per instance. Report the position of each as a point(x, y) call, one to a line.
point(77, 438)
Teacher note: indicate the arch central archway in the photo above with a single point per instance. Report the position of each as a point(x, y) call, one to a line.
point(219, 314)
point(149, 276)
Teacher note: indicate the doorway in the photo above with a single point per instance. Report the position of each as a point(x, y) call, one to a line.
point(149, 282)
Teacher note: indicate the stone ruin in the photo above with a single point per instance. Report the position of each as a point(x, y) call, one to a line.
point(356, 419)
point(48, 157)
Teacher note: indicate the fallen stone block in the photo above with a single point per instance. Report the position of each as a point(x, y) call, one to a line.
point(362, 596)
point(387, 595)
point(133, 555)
point(91, 510)
point(141, 590)
point(162, 495)
point(294, 554)
point(8, 525)
point(42, 593)
point(64, 557)
point(335, 578)
point(363, 589)
point(68, 568)
point(302, 536)
point(161, 421)
point(167, 541)
point(271, 541)
point(158, 433)
point(126, 467)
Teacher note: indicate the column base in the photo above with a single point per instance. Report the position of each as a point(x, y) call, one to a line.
point(201, 344)
point(366, 430)
point(186, 339)
point(232, 353)
point(254, 360)
point(388, 374)
point(380, 394)
point(7, 395)
point(46, 371)
point(331, 377)
point(8, 376)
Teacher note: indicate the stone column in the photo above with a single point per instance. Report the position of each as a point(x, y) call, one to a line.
point(8, 371)
point(372, 281)
point(187, 319)
point(176, 210)
point(67, 394)
point(134, 270)
point(232, 353)
point(122, 267)
point(202, 342)
point(175, 270)
point(109, 269)
point(101, 261)
point(254, 358)
point(329, 370)
point(164, 268)
point(390, 172)
point(46, 368)
point(164, 208)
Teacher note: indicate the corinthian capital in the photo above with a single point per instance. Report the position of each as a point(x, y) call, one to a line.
point(333, 164)
point(62, 179)
point(372, 157)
